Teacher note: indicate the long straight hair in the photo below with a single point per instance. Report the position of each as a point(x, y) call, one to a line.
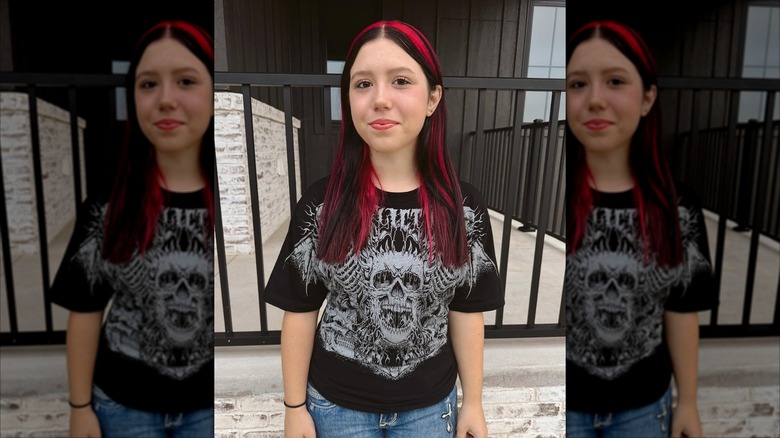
point(136, 198)
point(350, 188)
point(654, 191)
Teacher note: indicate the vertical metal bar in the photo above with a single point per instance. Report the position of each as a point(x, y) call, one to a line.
point(478, 171)
point(541, 228)
point(694, 173)
point(510, 198)
point(258, 241)
point(758, 208)
point(75, 148)
point(724, 198)
point(219, 234)
point(288, 130)
point(39, 200)
point(7, 258)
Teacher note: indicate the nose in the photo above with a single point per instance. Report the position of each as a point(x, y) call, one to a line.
point(381, 97)
point(167, 96)
point(596, 96)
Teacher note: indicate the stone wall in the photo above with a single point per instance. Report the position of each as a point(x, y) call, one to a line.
point(511, 412)
point(56, 169)
point(233, 172)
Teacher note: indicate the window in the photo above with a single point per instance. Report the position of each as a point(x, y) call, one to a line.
point(546, 59)
point(335, 92)
point(761, 59)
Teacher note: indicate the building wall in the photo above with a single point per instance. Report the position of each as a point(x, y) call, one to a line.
point(233, 171)
point(56, 169)
point(485, 38)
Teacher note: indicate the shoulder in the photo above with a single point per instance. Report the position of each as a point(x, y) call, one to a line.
point(687, 197)
point(472, 197)
point(313, 196)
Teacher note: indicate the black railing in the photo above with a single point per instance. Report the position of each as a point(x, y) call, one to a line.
point(735, 171)
point(248, 80)
point(537, 157)
point(31, 84)
point(718, 183)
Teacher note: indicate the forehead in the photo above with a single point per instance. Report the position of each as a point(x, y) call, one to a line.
point(381, 54)
point(598, 55)
point(168, 54)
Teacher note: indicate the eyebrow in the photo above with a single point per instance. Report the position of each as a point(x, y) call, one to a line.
point(605, 71)
point(175, 71)
point(390, 71)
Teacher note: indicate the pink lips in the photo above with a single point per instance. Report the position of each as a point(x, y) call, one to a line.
point(168, 124)
point(383, 124)
point(597, 124)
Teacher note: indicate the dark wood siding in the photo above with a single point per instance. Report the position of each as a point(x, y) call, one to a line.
point(472, 38)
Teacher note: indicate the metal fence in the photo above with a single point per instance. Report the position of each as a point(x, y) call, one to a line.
point(492, 172)
point(725, 155)
point(735, 170)
point(31, 85)
point(248, 80)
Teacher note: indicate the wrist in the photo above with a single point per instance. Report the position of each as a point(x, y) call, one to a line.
point(293, 406)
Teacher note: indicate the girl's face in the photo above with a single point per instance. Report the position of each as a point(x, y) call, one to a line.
point(605, 97)
point(174, 97)
point(389, 97)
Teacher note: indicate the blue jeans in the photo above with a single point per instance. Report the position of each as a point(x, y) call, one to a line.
point(332, 420)
point(117, 420)
point(651, 421)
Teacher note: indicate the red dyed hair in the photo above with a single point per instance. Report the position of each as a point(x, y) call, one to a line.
point(351, 189)
point(136, 198)
point(654, 191)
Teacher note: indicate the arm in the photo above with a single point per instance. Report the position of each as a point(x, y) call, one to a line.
point(467, 331)
point(298, 331)
point(81, 348)
point(682, 335)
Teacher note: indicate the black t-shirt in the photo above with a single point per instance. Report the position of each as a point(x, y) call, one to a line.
point(156, 350)
point(382, 344)
point(616, 353)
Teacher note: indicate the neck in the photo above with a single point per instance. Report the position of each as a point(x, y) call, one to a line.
point(396, 172)
point(611, 172)
point(181, 171)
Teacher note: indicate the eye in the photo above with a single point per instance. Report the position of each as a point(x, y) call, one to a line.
point(147, 84)
point(616, 81)
point(362, 84)
point(187, 81)
point(573, 85)
point(401, 81)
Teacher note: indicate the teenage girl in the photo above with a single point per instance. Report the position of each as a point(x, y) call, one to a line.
point(403, 254)
point(147, 369)
point(638, 266)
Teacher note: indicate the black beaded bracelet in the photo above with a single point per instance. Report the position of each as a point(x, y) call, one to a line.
point(293, 406)
point(89, 403)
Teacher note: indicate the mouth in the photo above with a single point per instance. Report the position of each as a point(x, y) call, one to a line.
point(383, 124)
point(597, 124)
point(168, 124)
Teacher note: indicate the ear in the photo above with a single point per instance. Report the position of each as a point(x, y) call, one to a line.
point(434, 99)
point(648, 99)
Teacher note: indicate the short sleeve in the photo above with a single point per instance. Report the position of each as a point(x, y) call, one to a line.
point(695, 289)
point(80, 284)
point(482, 290)
point(295, 283)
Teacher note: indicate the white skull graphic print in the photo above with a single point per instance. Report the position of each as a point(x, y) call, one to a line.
point(162, 313)
point(387, 306)
point(615, 301)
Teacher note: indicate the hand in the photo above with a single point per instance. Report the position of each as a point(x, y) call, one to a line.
point(686, 422)
point(298, 423)
point(84, 423)
point(471, 421)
